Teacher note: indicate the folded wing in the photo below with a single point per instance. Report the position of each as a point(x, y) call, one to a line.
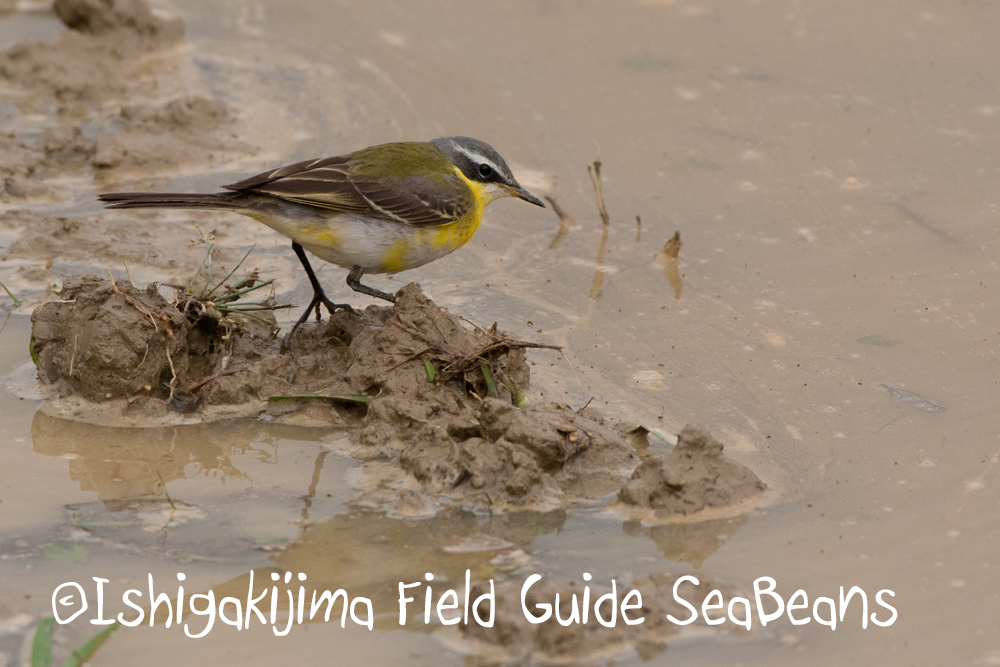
point(339, 184)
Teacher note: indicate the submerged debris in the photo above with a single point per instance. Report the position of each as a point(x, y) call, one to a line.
point(668, 258)
point(914, 400)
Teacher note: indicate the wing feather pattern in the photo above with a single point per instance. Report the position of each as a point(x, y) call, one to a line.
point(342, 184)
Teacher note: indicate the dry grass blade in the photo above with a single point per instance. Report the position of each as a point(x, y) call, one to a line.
point(216, 376)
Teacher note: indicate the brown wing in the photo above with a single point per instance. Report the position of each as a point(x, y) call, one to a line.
point(334, 183)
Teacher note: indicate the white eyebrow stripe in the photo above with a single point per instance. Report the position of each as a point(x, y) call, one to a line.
point(476, 157)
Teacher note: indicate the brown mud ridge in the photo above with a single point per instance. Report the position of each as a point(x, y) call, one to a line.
point(430, 398)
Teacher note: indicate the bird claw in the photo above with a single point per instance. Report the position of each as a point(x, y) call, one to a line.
point(319, 299)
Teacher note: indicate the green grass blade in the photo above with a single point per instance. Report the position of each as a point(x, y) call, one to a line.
point(346, 398)
point(17, 302)
point(230, 274)
point(233, 296)
point(491, 385)
point(41, 645)
point(89, 648)
point(200, 267)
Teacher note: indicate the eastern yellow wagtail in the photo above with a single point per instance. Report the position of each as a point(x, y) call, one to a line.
point(381, 209)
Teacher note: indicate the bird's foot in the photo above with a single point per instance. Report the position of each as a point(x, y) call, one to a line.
point(354, 282)
point(319, 299)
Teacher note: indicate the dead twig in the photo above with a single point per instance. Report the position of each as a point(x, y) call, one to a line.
point(597, 286)
point(595, 178)
point(478, 363)
point(216, 376)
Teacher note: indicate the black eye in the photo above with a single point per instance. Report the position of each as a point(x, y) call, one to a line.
point(485, 170)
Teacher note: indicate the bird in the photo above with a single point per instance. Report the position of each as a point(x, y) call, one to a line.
point(382, 209)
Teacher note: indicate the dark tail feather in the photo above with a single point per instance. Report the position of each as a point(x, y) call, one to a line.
point(225, 200)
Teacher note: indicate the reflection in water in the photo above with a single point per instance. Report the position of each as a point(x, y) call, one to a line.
point(597, 287)
point(122, 464)
point(920, 220)
point(668, 259)
point(311, 493)
point(368, 554)
point(566, 223)
point(688, 542)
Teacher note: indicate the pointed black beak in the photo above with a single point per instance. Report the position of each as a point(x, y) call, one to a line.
point(521, 193)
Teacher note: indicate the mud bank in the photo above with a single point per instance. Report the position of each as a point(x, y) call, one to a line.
point(428, 400)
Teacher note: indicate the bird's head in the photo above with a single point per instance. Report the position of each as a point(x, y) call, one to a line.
point(481, 164)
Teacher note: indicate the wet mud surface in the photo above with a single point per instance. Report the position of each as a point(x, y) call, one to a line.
point(112, 91)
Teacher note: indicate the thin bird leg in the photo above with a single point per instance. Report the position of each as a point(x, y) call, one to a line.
point(319, 297)
point(354, 282)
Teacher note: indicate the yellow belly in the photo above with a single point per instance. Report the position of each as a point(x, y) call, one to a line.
point(427, 244)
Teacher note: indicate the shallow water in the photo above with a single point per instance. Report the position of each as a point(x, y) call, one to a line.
point(832, 172)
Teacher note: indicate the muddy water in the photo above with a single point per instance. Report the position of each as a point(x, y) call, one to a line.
point(832, 172)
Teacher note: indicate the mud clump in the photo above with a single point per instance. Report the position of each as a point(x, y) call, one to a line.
point(104, 340)
point(496, 451)
point(101, 16)
point(693, 477)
